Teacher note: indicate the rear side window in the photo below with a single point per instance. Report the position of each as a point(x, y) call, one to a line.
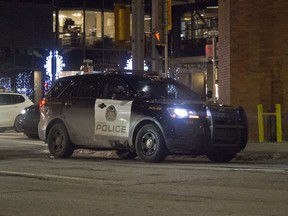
point(60, 87)
point(18, 99)
point(9, 99)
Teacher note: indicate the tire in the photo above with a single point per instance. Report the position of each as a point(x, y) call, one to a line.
point(2, 129)
point(150, 145)
point(59, 143)
point(32, 136)
point(126, 154)
point(17, 124)
point(220, 157)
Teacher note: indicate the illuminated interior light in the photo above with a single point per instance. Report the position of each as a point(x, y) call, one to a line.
point(77, 14)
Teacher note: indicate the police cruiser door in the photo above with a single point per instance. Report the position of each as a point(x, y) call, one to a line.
point(113, 111)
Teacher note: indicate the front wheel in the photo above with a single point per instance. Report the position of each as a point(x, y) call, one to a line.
point(221, 157)
point(150, 144)
point(59, 143)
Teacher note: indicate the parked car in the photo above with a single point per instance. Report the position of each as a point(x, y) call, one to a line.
point(11, 105)
point(138, 115)
point(29, 121)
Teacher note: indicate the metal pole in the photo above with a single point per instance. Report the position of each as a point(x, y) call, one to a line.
point(155, 27)
point(84, 30)
point(166, 62)
point(138, 35)
point(54, 62)
point(214, 67)
point(102, 36)
point(56, 23)
point(214, 35)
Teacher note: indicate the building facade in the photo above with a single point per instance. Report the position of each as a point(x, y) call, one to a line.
point(253, 59)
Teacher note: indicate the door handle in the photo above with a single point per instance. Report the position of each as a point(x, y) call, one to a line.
point(102, 105)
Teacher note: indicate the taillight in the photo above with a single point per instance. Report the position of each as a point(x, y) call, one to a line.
point(42, 103)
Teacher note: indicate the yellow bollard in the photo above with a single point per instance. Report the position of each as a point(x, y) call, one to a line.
point(278, 123)
point(260, 123)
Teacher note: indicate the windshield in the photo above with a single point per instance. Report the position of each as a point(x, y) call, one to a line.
point(155, 87)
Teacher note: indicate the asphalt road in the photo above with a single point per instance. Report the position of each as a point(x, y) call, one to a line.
point(34, 183)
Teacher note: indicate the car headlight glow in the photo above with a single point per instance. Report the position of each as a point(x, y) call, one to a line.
point(182, 113)
point(23, 111)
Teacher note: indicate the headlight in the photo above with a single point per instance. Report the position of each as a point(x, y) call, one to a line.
point(182, 113)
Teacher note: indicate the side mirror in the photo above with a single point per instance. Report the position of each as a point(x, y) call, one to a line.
point(209, 94)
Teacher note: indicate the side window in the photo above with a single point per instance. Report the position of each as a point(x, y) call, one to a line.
point(59, 87)
point(90, 87)
point(70, 90)
point(5, 99)
point(18, 99)
point(114, 89)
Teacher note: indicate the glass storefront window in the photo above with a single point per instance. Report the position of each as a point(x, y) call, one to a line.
point(109, 27)
point(197, 24)
point(93, 20)
point(71, 28)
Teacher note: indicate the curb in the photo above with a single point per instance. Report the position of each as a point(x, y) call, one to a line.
point(261, 156)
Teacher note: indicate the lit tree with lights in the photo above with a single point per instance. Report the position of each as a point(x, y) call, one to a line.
point(24, 83)
point(58, 59)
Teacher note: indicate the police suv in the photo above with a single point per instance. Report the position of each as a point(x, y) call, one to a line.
point(138, 115)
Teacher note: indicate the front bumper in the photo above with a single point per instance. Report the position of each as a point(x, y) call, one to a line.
point(224, 130)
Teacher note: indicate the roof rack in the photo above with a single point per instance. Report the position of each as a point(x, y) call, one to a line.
point(135, 72)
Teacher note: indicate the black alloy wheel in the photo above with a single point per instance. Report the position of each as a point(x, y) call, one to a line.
point(59, 143)
point(150, 144)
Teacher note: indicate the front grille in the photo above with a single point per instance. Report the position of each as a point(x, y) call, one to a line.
point(222, 116)
point(226, 136)
point(228, 125)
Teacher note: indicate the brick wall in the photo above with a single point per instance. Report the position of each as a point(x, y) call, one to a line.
point(253, 57)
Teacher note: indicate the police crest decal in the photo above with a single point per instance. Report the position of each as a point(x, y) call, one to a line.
point(111, 113)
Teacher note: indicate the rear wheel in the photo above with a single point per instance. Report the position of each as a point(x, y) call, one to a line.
point(32, 136)
point(150, 144)
point(59, 143)
point(17, 124)
point(221, 157)
point(126, 154)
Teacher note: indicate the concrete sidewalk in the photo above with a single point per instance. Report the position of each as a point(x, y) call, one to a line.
point(265, 150)
point(267, 147)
